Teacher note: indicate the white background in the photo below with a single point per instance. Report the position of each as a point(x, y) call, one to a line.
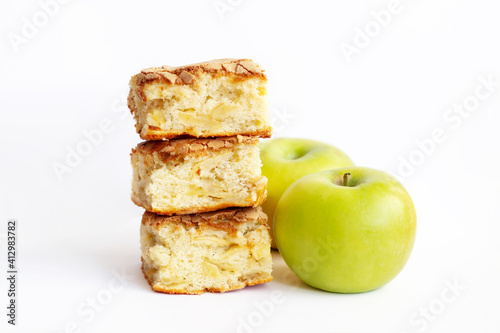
point(77, 233)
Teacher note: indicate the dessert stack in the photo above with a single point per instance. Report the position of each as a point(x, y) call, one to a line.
point(198, 175)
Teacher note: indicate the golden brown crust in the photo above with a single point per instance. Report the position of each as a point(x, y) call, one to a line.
point(240, 68)
point(152, 134)
point(255, 281)
point(218, 219)
point(183, 147)
point(195, 210)
point(131, 102)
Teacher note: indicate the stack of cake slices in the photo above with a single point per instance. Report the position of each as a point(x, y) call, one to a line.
point(198, 175)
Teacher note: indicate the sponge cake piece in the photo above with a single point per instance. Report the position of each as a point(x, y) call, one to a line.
point(187, 176)
point(223, 97)
point(215, 252)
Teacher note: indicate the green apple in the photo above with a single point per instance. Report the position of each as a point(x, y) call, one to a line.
point(346, 230)
point(286, 160)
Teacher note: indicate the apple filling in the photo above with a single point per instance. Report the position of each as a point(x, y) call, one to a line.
point(223, 178)
point(212, 107)
point(193, 257)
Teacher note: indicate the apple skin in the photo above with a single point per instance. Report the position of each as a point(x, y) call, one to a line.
point(346, 239)
point(285, 160)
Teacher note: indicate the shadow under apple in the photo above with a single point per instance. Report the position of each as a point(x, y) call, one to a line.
point(284, 275)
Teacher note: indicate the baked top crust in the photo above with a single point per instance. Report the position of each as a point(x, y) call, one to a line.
point(244, 68)
point(184, 147)
point(261, 197)
point(222, 219)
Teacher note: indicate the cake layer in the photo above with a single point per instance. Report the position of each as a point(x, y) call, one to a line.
point(216, 251)
point(188, 176)
point(217, 98)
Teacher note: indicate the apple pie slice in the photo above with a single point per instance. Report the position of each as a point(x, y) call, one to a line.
point(215, 252)
point(223, 97)
point(187, 176)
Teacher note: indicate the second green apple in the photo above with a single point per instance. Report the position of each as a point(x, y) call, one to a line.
point(286, 160)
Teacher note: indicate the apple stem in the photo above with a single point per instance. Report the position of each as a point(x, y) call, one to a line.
point(347, 178)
